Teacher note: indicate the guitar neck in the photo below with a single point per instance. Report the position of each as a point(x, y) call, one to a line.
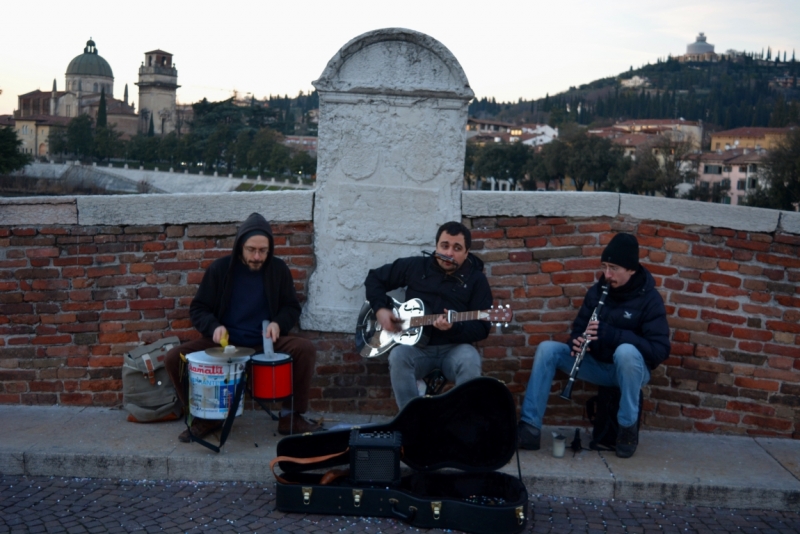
point(426, 320)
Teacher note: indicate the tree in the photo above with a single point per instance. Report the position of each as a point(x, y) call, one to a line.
point(279, 158)
point(470, 158)
point(303, 163)
point(80, 139)
point(260, 152)
point(702, 192)
point(591, 159)
point(216, 146)
point(674, 167)
point(57, 140)
point(168, 148)
point(243, 143)
point(502, 162)
point(11, 159)
point(143, 148)
point(102, 115)
point(554, 161)
point(151, 131)
point(780, 174)
point(107, 142)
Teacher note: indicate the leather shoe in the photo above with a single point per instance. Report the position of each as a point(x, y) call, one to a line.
point(200, 429)
point(297, 424)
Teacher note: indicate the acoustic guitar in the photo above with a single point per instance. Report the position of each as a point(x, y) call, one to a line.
point(372, 340)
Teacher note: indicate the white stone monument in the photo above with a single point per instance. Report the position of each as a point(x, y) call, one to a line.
point(392, 134)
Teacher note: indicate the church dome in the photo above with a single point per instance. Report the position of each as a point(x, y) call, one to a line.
point(89, 63)
point(700, 46)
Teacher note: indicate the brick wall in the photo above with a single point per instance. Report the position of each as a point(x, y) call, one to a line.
point(732, 301)
point(74, 298)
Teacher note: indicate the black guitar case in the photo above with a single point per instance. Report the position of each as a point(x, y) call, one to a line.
point(453, 443)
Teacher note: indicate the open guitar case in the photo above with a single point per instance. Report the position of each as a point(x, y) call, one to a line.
point(453, 444)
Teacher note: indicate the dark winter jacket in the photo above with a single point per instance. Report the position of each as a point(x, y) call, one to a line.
point(214, 294)
point(465, 290)
point(633, 314)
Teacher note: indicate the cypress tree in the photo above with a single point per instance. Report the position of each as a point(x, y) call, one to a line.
point(151, 131)
point(102, 118)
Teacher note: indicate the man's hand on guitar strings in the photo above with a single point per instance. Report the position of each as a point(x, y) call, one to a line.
point(388, 320)
point(442, 323)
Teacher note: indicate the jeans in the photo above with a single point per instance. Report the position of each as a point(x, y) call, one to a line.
point(459, 363)
point(628, 372)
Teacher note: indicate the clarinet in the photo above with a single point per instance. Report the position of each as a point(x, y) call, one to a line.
point(567, 393)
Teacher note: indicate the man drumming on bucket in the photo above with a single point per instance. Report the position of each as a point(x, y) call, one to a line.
point(452, 279)
point(238, 292)
point(629, 340)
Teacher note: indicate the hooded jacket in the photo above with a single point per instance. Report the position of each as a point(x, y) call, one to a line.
point(464, 290)
point(214, 294)
point(633, 314)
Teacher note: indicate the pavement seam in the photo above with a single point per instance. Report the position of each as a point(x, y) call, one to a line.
point(610, 472)
point(776, 460)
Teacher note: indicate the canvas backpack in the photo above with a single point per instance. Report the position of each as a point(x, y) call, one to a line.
point(148, 393)
point(601, 410)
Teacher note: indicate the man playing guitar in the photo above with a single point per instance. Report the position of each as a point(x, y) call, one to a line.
point(451, 279)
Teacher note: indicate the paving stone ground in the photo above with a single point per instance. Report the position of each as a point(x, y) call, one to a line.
point(78, 505)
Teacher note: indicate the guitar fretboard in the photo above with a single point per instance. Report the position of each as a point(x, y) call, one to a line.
point(426, 320)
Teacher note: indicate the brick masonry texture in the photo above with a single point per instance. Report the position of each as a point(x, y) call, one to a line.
point(74, 299)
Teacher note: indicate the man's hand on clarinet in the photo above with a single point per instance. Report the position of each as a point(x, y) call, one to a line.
point(388, 320)
point(591, 335)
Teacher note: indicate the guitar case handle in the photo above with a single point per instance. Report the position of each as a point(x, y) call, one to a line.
point(409, 517)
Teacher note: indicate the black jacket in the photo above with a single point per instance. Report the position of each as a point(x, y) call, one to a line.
point(633, 314)
point(465, 290)
point(214, 294)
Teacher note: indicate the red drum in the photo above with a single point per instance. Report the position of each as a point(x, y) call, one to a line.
point(271, 378)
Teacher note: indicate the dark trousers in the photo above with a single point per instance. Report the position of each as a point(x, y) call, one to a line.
point(302, 351)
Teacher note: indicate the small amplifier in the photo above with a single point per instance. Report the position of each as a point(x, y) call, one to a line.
point(375, 457)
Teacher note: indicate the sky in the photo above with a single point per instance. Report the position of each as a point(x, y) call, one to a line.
point(509, 49)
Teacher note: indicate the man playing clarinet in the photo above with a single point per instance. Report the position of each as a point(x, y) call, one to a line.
point(628, 340)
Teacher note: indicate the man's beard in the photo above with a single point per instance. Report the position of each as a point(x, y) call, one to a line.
point(254, 266)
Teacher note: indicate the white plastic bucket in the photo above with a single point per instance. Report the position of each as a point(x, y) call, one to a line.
point(212, 383)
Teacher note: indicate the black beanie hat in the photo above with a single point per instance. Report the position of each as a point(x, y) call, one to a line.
point(622, 250)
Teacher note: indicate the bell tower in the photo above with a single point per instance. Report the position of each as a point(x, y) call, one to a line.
point(158, 83)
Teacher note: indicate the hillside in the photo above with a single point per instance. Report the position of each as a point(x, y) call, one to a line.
point(734, 92)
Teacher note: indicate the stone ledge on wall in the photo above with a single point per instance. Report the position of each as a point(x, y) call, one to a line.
point(38, 210)
point(790, 222)
point(600, 204)
point(699, 213)
point(539, 203)
point(285, 206)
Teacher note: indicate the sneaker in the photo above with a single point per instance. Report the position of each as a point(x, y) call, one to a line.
point(297, 424)
point(200, 429)
point(529, 436)
point(627, 440)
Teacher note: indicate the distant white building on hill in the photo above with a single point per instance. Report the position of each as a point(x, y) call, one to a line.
point(700, 50)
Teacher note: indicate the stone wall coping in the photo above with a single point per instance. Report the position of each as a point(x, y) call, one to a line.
point(699, 213)
point(598, 204)
point(292, 206)
point(284, 206)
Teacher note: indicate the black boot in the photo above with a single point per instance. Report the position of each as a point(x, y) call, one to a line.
point(529, 436)
point(627, 440)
